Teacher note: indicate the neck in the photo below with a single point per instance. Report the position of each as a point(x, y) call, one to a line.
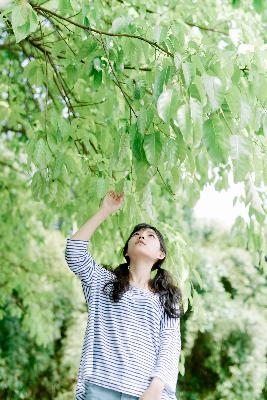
point(139, 278)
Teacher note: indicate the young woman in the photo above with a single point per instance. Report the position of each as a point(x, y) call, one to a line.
point(132, 340)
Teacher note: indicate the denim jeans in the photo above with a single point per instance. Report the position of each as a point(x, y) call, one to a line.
point(96, 392)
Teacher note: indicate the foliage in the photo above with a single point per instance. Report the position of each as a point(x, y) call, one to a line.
point(224, 342)
point(158, 100)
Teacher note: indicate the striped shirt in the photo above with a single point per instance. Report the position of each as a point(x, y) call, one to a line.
point(126, 343)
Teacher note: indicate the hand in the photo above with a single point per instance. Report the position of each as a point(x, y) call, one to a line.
point(112, 201)
point(151, 393)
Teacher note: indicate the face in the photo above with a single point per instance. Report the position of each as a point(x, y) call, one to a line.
point(149, 250)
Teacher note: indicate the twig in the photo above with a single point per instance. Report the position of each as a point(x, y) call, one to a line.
point(154, 44)
point(115, 76)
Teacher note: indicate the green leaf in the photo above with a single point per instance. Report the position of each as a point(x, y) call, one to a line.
point(233, 100)
point(188, 73)
point(197, 90)
point(37, 186)
point(65, 5)
point(34, 72)
point(245, 114)
point(178, 60)
point(142, 120)
point(136, 140)
point(197, 118)
point(180, 144)
point(216, 139)
point(160, 33)
point(52, 191)
point(40, 153)
point(72, 73)
point(214, 89)
point(97, 78)
point(197, 62)
point(260, 83)
point(141, 168)
point(153, 148)
point(253, 196)
point(161, 77)
point(196, 110)
point(52, 141)
point(139, 89)
point(120, 24)
point(236, 3)
point(167, 104)
point(24, 21)
point(240, 152)
point(5, 110)
point(65, 175)
point(19, 15)
point(57, 166)
point(240, 147)
point(259, 5)
point(183, 120)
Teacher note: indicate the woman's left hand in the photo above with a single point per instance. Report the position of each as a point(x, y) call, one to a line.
point(151, 393)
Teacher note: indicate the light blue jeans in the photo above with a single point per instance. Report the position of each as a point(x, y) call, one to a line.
point(96, 392)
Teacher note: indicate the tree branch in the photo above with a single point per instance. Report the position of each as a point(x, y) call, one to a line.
point(115, 76)
point(87, 28)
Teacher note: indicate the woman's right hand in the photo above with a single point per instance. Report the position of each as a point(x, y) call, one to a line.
point(112, 201)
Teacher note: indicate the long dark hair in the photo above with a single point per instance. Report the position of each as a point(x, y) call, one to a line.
point(170, 295)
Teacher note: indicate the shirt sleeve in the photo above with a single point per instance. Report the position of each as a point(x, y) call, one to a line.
point(81, 262)
point(167, 364)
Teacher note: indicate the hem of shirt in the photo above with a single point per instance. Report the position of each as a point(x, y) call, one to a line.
point(111, 386)
point(165, 394)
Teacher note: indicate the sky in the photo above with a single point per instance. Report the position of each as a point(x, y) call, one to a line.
point(218, 206)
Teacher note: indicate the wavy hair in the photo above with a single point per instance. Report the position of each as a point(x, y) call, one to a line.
point(163, 283)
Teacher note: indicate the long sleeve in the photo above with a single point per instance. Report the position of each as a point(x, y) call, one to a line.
point(166, 367)
point(81, 262)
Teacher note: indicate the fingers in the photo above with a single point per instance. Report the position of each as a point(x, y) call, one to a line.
point(116, 195)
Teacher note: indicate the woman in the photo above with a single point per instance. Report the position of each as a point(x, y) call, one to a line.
point(132, 341)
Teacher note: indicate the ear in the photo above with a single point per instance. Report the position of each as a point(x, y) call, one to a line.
point(162, 255)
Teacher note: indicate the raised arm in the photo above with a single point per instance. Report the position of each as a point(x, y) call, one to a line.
point(111, 203)
point(79, 260)
point(86, 230)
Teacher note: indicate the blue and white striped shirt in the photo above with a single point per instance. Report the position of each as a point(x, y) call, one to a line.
point(126, 343)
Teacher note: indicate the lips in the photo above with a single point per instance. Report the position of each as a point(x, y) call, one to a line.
point(140, 241)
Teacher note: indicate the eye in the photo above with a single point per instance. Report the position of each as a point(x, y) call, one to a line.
point(136, 233)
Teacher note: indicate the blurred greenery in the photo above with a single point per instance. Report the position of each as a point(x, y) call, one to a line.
point(157, 100)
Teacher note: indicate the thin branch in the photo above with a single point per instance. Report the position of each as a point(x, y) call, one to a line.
point(148, 10)
point(46, 83)
point(87, 28)
point(115, 76)
point(58, 19)
point(139, 68)
point(12, 167)
point(17, 130)
point(89, 104)
point(205, 28)
point(7, 45)
point(166, 184)
point(63, 92)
